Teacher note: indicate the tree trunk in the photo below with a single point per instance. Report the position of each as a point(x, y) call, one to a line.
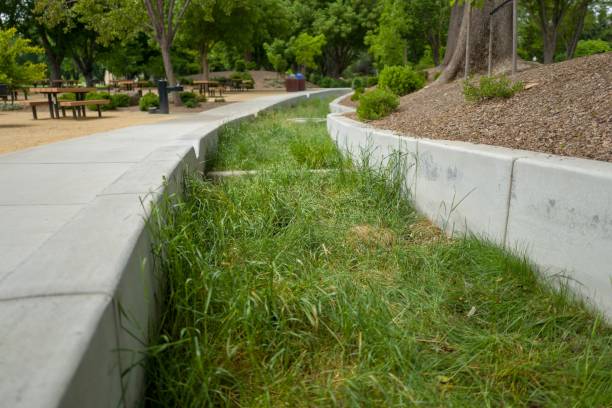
point(578, 26)
point(54, 58)
point(454, 27)
point(454, 59)
point(204, 62)
point(165, 51)
point(550, 45)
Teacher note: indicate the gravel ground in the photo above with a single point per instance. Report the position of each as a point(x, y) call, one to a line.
point(567, 110)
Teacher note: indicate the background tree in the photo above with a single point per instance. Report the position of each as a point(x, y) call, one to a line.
point(387, 43)
point(275, 53)
point(165, 17)
point(306, 48)
point(14, 70)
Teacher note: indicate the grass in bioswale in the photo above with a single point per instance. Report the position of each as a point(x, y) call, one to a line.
point(297, 288)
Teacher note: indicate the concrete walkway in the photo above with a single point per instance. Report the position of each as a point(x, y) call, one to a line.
point(77, 291)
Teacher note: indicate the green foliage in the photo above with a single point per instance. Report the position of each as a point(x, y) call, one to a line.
point(377, 104)
point(13, 69)
point(240, 65)
point(67, 97)
point(102, 95)
point(276, 54)
point(590, 47)
point(202, 98)
point(189, 99)
point(491, 87)
point(357, 83)
point(307, 48)
point(327, 82)
point(9, 107)
point(120, 100)
point(400, 80)
point(357, 94)
point(147, 101)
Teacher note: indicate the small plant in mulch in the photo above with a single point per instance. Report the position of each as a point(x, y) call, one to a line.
point(377, 104)
point(189, 99)
point(491, 87)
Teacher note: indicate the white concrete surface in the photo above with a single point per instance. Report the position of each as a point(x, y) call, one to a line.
point(561, 214)
point(555, 210)
point(77, 290)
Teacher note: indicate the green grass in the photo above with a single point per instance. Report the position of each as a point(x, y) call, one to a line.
point(274, 140)
point(293, 288)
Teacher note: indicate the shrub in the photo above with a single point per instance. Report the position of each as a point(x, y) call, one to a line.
point(101, 95)
point(357, 94)
point(240, 66)
point(67, 97)
point(357, 83)
point(377, 104)
point(490, 88)
point(325, 82)
point(372, 81)
point(400, 80)
point(148, 101)
point(251, 65)
point(189, 99)
point(202, 98)
point(590, 47)
point(7, 107)
point(121, 100)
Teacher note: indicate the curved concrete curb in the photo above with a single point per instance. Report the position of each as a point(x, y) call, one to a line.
point(77, 289)
point(336, 107)
point(556, 210)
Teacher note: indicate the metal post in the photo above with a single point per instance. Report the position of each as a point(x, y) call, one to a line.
point(490, 68)
point(162, 89)
point(467, 43)
point(514, 34)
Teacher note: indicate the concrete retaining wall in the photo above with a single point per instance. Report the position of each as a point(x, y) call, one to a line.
point(556, 210)
point(77, 288)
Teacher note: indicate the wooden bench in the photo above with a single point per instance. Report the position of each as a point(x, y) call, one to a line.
point(77, 105)
point(34, 104)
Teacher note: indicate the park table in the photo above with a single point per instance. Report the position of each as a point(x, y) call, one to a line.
point(207, 86)
point(128, 84)
point(52, 93)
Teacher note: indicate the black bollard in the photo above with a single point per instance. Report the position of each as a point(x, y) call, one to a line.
point(163, 89)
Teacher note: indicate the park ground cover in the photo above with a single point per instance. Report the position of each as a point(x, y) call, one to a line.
point(299, 288)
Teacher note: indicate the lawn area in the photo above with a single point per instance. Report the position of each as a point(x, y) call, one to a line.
point(298, 288)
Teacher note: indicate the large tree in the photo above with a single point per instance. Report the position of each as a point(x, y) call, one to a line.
point(478, 17)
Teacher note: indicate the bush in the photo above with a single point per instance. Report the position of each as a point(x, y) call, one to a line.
point(490, 88)
point(590, 47)
point(202, 98)
point(325, 82)
point(67, 97)
point(101, 95)
point(357, 83)
point(189, 99)
point(7, 107)
point(251, 65)
point(147, 101)
point(357, 94)
point(377, 104)
point(240, 66)
point(400, 80)
point(121, 100)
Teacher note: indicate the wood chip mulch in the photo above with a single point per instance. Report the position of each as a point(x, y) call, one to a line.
point(565, 110)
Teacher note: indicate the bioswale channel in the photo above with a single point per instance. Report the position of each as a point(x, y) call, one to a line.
point(288, 286)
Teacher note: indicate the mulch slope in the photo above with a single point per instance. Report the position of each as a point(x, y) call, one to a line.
point(568, 112)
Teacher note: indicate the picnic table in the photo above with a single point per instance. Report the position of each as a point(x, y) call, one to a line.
point(127, 84)
point(52, 100)
point(208, 87)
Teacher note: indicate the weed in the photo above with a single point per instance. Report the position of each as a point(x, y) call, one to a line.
point(491, 88)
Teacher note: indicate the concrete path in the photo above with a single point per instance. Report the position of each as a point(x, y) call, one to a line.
point(76, 285)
